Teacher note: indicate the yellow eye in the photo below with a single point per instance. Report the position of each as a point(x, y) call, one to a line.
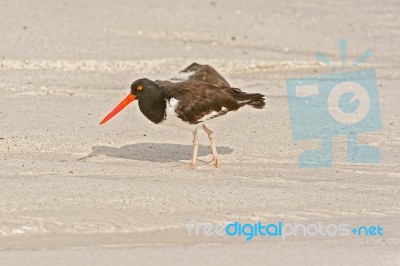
point(139, 88)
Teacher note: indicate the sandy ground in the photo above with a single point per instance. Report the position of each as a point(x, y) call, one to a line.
point(75, 193)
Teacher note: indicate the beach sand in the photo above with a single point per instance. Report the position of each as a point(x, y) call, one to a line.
point(73, 192)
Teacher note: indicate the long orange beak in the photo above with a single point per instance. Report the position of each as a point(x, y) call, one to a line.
point(130, 98)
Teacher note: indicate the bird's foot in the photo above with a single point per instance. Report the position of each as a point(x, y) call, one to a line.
point(192, 166)
point(215, 162)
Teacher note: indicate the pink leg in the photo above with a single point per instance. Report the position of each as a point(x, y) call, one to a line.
point(210, 133)
point(195, 150)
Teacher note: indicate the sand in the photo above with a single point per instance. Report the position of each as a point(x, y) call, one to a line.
point(76, 193)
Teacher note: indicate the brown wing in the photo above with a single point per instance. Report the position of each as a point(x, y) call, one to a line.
point(199, 101)
point(205, 73)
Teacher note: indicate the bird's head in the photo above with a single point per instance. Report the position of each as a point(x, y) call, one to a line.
point(143, 87)
point(139, 89)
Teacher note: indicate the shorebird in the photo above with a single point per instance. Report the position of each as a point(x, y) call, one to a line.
point(189, 105)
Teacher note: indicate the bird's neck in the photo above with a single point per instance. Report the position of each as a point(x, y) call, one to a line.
point(153, 106)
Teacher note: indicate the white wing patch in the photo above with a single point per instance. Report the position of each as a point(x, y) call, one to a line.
point(182, 76)
point(209, 116)
point(213, 114)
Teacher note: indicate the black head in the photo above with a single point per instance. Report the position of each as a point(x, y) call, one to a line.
point(144, 88)
point(148, 94)
point(150, 98)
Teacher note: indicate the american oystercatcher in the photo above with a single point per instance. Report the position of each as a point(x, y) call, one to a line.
point(188, 105)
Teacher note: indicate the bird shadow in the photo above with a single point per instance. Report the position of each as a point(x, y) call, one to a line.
point(154, 152)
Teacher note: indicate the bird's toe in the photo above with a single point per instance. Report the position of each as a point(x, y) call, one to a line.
point(192, 166)
point(216, 163)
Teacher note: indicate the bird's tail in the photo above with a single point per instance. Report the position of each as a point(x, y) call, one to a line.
point(255, 100)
